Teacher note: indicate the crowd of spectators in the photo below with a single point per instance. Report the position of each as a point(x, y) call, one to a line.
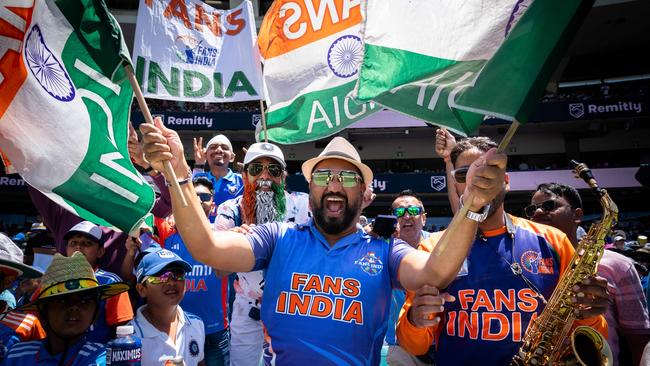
point(159, 105)
point(599, 91)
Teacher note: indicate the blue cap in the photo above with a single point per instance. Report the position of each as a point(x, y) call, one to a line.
point(156, 261)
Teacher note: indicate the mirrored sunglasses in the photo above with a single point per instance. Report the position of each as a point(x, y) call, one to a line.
point(546, 206)
point(347, 178)
point(204, 197)
point(460, 174)
point(412, 211)
point(255, 169)
point(165, 277)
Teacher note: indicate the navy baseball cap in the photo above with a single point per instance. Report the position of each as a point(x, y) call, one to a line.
point(154, 262)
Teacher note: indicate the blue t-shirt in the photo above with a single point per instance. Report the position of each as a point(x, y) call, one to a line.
point(325, 305)
point(100, 331)
point(205, 293)
point(225, 188)
point(82, 353)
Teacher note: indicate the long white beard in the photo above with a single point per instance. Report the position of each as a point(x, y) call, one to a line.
point(265, 204)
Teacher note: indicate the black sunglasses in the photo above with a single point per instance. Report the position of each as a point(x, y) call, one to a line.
point(460, 174)
point(412, 211)
point(255, 169)
point(546, 206)
point(205, 197)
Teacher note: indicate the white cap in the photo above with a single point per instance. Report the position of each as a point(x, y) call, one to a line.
point(87, 228)
point(264, 150)
point(220, 140)
point(124, 330)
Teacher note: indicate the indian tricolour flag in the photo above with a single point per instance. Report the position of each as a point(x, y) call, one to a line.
point(312, 51)
point(64, 104)
point(452, 62)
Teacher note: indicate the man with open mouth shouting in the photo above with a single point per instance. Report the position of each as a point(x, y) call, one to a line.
point(328, 284)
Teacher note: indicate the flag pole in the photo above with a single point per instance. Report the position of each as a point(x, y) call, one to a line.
point(458, 217)
point(169, 171)
point(266, 134)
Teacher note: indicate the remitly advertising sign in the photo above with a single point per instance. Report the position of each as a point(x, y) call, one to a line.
point(186, 50)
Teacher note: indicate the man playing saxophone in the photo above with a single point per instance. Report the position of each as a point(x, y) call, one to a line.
point(510, 273)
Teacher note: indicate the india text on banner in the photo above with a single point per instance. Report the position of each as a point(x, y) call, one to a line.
point(312, 51)
point(451, 63)
point(187, 50)
point(65, 106)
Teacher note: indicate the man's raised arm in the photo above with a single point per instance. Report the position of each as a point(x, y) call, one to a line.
point(223, 250)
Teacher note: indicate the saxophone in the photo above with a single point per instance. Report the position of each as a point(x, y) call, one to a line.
point(545, 342)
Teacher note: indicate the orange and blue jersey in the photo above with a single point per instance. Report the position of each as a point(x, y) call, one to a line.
point(18, 327)
point(494, 305)
point(82, 353)
point(325, 305)
point(205, 293)
point(112, 311)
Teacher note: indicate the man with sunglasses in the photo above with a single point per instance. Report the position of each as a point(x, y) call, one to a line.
point(411, 218)
point(511, 270)
point(218, 153)
point(560, 205)
point(205, 292)
point(166, 330)
point(264, 200)
point(328, 283)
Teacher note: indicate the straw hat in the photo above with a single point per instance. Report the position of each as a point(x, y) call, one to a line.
point(68, 275)
point(338, 148)
point(11, 260)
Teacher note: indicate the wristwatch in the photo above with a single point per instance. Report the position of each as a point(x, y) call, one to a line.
point(476, 216)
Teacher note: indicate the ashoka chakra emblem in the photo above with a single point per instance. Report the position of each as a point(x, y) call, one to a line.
point(47, 70)
point(345, 55)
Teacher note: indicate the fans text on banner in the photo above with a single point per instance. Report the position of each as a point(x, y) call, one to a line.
point(64, 104)
point(186, 50)
point(312, 51)
point(450, 63)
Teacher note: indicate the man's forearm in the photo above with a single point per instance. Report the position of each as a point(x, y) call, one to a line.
point(443, 268)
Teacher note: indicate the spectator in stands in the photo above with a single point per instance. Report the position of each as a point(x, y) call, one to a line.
point(619, 240)
point(264, 200)
point(67, 304)
point(85, 237)
point(15, 327)
point(168, 333)
point(560, 205)
point(219, 154)
point(445, 143)
point(205, 293)
point(411, 218)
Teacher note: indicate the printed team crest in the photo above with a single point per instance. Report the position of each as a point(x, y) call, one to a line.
point(232, 189)
point(194, 348)
point(438, 182)
point(370, 264)
point(576, 110)
point(533, 262)
point(345, 55)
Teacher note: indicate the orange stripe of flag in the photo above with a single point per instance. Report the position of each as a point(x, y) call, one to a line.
point(12, 67)
point(274, 42)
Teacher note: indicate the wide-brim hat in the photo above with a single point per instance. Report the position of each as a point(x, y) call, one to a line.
point(338, 148)
point(11, 260)
point(70, 275)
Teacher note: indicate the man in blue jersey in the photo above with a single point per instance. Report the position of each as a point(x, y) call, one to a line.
point(328, 284)
point(67, 304)
point(205, 293)
point(219, 155)
point(510, 273)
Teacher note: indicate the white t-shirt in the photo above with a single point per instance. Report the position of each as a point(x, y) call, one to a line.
point(157, 347)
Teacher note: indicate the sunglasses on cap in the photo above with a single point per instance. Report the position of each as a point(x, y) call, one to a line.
point(204, 197)
point(347, 178)
point(412, 211)
point(460, 174)
point(165, 277)
point(255, 169)
point(546, 206)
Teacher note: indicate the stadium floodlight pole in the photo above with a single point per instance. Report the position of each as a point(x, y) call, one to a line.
point(455, 222)
point(169, 171)
point(266, 134)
